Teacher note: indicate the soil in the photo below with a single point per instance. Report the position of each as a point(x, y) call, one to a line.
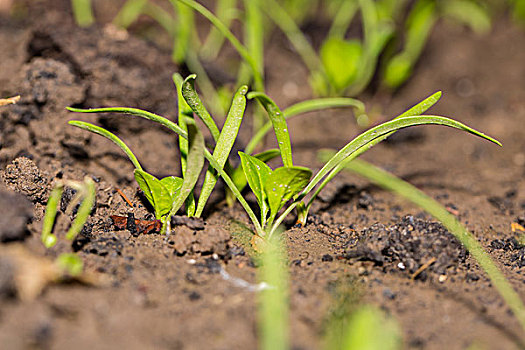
point(183, 292)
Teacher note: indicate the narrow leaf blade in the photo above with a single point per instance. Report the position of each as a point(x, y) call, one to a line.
point(224, 144)
point(193, 100)
point(193, 167)
point(279, 125)
point(371, 137)
point(110, 136)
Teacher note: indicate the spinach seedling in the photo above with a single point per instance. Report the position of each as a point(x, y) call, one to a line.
point(285, 188)
point(167, 195)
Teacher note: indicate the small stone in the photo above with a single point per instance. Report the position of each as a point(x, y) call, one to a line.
point(442, 278)
point(387, 293)
point(327, 257)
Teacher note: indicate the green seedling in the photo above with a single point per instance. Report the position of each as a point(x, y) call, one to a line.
point(434, 208)
point(346, 66)
point(83, 12)
point(288, 189)
point(169, 194)
point(85, 196)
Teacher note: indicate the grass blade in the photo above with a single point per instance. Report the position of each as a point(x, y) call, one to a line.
point(184, 111)
point(279, 125)
point(411, 193)
point(342, 19)
point(361, 144)
point(194, 101)
point(224, 144)
point(418, 109)
point(422, 106)
point(110, 136)
point(305, 107)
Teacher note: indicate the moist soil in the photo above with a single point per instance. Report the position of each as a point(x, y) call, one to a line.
point(183, 292)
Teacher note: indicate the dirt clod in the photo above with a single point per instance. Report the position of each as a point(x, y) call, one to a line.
point(212, 239)
point(16, 211)
point(23, 176)
point(408, 245)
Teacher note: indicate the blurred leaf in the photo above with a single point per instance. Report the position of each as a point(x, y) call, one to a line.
point(70, 263)
point(370, 329)
point(341, 60)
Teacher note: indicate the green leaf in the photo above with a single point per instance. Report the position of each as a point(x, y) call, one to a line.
point(103, 132)
point(184, 111)
point(193, 167)
point(370, 329)
point(194, 101)
point(224, 144)
point(129, 13)
point(182, 133)
point(422, 106)
point(397, 71)
point(237, 175)
point(126, 110)
point(47, 237)
point(88, 200)
point(284, 183)
point(341, 60)
point(257, 173)
point(155, 191)
point(470, 13)
point(368, 139)
point(172, 184)
point(305, 107)
point(70, 263)
point(279, 125)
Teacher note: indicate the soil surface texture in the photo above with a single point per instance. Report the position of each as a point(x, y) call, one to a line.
point(143, 291)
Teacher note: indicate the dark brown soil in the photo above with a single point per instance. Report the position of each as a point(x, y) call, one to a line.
point(183, 292)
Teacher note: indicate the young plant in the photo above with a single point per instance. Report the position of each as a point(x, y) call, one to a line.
point(85, 196)
point(169, 194)
point(286, 187)
point(346, 66)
